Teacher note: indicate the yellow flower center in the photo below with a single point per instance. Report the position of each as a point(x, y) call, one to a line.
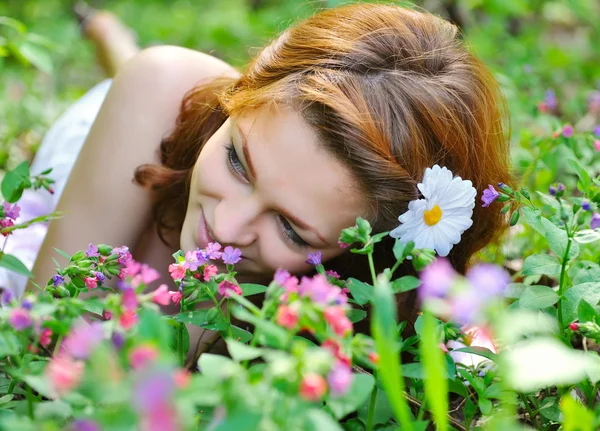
point(433, 215)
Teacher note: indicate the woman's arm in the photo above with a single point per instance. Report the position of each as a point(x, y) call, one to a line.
point(100, 202)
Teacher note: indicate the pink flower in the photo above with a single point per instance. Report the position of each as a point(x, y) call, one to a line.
point(129, 299)
point(175, 296)
point(83, 339)
point(161, 295)
point(153, 398)
point(320, 291)
point(343, 244)
point(226, 287)
point(45, 337)
point(142, 274)
point(281, 276)
point(212, 251)
point(107, 314)
point(177, 271)
point(64, 373)
point(336, 350)
point(336, 317)
point(597, 144)
point(91, 282)
point(374, 357)
point(4, 223)
point(182, 378)
point(331, 273)
point(141, 355)
point(128, 319)
point(123, 253)
point(11, 211)
point(194, 259)
point(287, 317)
point(19, 319)
point(436, 279)
point(209, 272)
point(231, 255)
point(567, 131)
point(313, 387)
point(92, 251)
point(340, 379)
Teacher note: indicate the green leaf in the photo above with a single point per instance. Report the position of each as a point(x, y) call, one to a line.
point(56, 409)
point(534, 219)
point(14, 182)
point(206, 319)
point(541, 264)
point(152, 327)
point(11, 263)
point(37, 55)
point(269, 333)
point(405, 284)
point(361, 292)
point(585, 181)
point(240, 335)
point(249, 289)
point(557, 240)
point(9, 344)
point(62, 253)
point(362, 385)
point(481, 351)
point(537, 297)
point(356, 315)
point(575, 416)
point(318, 420)
point(485, 406)
point(242, 352)
point(382, 413)
point(588, 291)
point(585, 312)
point(399, 250)
point(587, 236)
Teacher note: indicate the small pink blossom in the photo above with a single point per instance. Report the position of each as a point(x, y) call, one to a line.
point(161, 295)
point(11, 211)
point(107, 315)
point(374, 357)
point(45, 337)
point(210, 271)
point(313, 387)
point(343, 244)
point(340, 379)
point(91, 282)
point(574, 326)
point(128, 319)
point(194, 259)
point(64, 373)
point(182, 378)
point(4, 223)
point(337, 319)
point(212, 251)
point(175, 296)
point(20, 319)
point(177, 271)
point(336, 350)
point(129, 299)
point(141, 355)
point(567, 131)
point(597, 144)
point(226, 287)
point(287, 317)
point(144, 274)
point(281, 276)
point(92, 251)
point(332, 273)
point(83, 339)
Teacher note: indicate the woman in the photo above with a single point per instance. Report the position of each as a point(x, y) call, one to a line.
point(337, 118)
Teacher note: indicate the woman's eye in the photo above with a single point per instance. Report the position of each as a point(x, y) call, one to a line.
point(291, 234)
point(234, 163)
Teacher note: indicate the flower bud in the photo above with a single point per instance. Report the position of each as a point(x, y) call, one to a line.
point(514, 218)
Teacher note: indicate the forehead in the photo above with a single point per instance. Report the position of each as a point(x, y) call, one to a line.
point(295, 172)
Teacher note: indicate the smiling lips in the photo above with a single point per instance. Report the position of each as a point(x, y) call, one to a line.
point(203, 236)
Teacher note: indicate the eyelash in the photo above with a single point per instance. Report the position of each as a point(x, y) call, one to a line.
point(235, 166)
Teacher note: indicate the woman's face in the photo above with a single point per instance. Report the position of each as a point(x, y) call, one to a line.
point(265, 185)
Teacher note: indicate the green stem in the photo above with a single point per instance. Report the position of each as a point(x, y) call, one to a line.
point(29, 396)
point(372, 268)
point(532, 416)
point(561, 286)
point(371, 414)
point(180, 343)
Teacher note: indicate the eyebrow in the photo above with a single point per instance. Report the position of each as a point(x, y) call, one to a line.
point(286, 214)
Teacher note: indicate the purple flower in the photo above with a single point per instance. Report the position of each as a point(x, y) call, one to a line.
point(585, 205)
point(153, 392)
point(595, 223)
point(92, 251)
point(340, 379)
point(552, 191)
point(314, 258)
point(281, 276)
point(212, 251)
point(561, 188)
point(194, 259)
point(118, 340)
point(83, 339)
point(57, 280)
point(85, 425)
point(551, 100)
point(488, 280)
point(19, 319)
point(465, 308)
point(100, 277)
point(436, 279)
point(123, 253)
point(320, 291)
point(231, 255)
point(26, 304)
point(11, 211)
point(567, 131)
point(489, 195)
point(597, 131)
point(7, 297)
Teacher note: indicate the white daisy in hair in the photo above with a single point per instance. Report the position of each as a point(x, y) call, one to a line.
point(438, 221)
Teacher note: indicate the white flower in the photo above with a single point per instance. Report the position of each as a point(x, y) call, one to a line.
point(438, 221)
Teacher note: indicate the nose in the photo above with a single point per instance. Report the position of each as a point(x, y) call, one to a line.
point(235, 221)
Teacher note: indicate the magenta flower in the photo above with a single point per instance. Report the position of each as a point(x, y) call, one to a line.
point(152, 397)
point(488, 280)
point(567, 131)
point(231, 255)
point(597, 144)
point(340, 379)
point(123, 253)
point(314, 258)
point(436, 279)
point(337, 319)
point(209, 272)
point(595, 223)
point(177, 271)
point(128, 319)
point(194, 259)
point(281, 276)
point(287, 317)
point(64, 373)
point(161, 295)
point(142, 355)
point(175, 296)
point(312, 387)
point(4, 223)
point(332, 273)
point(489, 195)
point(11, 211)
point(83, 339)
point(19, 319)
point(129, 299)
point(45, 337)
point(92, 251)
point(212, 251)
point(91, 282)
point(226, 287)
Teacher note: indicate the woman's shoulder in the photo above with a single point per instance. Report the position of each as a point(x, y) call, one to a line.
point(172, 70)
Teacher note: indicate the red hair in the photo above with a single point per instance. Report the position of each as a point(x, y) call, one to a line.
point(389, 90)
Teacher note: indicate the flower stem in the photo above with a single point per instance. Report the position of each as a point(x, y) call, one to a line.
point(372, 268)
point(562, 287)
point(532, 416)
point(371, 414)
point(180, 343)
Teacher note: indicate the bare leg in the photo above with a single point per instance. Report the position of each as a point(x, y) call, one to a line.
point(114, 42)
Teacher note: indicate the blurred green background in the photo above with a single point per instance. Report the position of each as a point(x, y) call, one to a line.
point(532, 46)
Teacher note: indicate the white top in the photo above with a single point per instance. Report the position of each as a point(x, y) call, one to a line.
point(59, 150)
